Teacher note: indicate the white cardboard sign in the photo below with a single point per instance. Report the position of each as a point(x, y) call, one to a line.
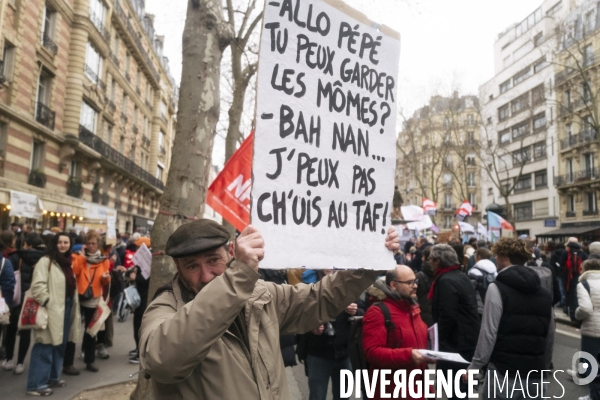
point(143, 259)
point(25, 205)
point(325, 144)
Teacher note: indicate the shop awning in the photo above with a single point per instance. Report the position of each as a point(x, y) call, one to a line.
point(571, 231)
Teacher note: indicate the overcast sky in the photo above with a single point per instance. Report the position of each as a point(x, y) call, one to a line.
point(445, 44)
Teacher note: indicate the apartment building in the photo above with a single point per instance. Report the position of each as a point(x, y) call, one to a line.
point(437, 157)
point(87, 107)
point(577, 81)
point(519, 127)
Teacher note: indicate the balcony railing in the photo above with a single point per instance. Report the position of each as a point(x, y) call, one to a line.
point(571, 214)
point(96, 195)
point(49, 45)
point(37, 178)
point(92, 76)
point(97, 22)
point(588, 213)
point(89, 139)
point(105, 199)
point(136, 39)
point(577, 177)
point(585, 136)
point(45, 116)
point(448, 207)
point(74, 187)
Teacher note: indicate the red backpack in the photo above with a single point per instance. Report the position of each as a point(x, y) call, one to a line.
point(574, 262)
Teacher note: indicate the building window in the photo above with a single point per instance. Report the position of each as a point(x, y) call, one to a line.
point(554, 8)
point(113, 90)
point(539, 65)
point(127, 61)
point(538, 95)
point(44, 88)
point(571, 203)
point(523, 211)
point(471, 157)
point(490, 191)
point(504, 161)
point(88, 118)
point(589, 22)
point(135, 115)
point(473, 199)
point(521, 76)
point(448, 222)
point(159, 172)
point(75, 169)
point(447, 201)
point(521, 156)
point(97, 14)
point(163, 111)
point(567, 98)
point(471, 180)
point(537, 39)
point(503, 113)
point(109, 133)
point(590, 203)
point(504, 86)
point(539, 150)
point(541, 179)
point(470, 120)
point(124, 105)
point(520, 130)
point(122, 145)
point(569, 168)
point(589, 163)
point(8, 61)
point(3, 138)
point(93, 63)
point(523, 183)
point(539, 121)
point(37, 156)
point(48, 24)
point(504, 136)
point(520, 103)
point(585, 91)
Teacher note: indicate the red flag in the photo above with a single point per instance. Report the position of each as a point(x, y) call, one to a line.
point(229, 194)
point(465, 210)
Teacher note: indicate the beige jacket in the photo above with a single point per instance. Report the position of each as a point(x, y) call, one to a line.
point(190, 354)
point(50, 286)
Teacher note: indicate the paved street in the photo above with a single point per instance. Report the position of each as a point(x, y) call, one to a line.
point(117, 369)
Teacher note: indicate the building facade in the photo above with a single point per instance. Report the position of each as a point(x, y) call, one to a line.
point(87, 113)
point(577, 80)
point(437, 157)
point(519, 128)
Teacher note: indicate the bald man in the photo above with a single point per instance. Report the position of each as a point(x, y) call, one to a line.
point(407, 332)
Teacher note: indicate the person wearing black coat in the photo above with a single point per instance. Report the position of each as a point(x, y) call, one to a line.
point(23, 260)
point(142, 285)
point(327, 352)
point(417, 261)
point(425, 277)
point(454, 307)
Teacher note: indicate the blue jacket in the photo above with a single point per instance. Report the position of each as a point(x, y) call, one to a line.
point(7, 281)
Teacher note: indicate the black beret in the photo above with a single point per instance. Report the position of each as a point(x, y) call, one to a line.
point(195, 237)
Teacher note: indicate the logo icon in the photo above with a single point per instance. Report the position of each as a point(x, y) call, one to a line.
point(583, 361)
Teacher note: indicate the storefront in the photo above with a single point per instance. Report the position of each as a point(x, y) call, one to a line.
point(142, 225)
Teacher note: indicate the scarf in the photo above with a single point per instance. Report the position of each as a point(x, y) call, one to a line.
point(94, 258)
point(436, 274)
point(70, 283)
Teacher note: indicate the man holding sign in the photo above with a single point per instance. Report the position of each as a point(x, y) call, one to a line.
point(213, 332)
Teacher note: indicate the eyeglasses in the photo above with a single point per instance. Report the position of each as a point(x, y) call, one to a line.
point(414, 282)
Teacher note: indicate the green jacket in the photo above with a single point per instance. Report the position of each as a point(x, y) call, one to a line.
point(190, 352)
point(48, 284)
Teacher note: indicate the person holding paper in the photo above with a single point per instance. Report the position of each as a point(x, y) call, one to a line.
point(213, 331)
point(396, 347)
point(516, 330)
point(454, 307)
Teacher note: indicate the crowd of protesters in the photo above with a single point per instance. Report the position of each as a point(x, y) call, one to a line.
point(493, 305)
point(68, 274)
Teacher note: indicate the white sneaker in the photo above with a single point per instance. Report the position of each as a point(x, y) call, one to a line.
point(585, 397)
point(8, 365)
point(19, 369)
point(571, 373)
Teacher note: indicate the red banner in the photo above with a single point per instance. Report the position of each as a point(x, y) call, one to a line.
point(229, 194)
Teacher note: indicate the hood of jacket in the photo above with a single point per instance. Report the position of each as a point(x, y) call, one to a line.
point(590, 276)
point(486, 266)
point(380, 290)
point(520, 278)
point(30, 256)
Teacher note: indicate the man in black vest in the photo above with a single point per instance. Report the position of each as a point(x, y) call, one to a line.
point(516, 335)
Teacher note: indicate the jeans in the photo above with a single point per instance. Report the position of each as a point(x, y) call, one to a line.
point(320, 369)
point(47, 360)
point(563, 291)
point(532, 387)
point(11, 337)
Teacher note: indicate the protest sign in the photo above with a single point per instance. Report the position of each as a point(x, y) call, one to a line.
point(420, 221)
point(143, 259)
point(324, 147)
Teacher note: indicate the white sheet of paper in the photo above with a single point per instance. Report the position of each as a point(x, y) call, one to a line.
point(443, 356)
point(432, 338)
point(2, 305)
point(323, 178)
point(143, 258)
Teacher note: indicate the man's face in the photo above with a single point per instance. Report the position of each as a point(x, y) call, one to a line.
point(200, 269)
point(405, 285)
point(15, 228)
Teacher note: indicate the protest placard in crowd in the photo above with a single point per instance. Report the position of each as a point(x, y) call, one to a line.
point(325, 145)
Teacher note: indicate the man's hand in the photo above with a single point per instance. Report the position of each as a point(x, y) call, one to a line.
point(392, 242)
point(132, 276)
point(250, 247)
point(419, 358)
point(319, 331)
point(106, 275)
point(352, 309)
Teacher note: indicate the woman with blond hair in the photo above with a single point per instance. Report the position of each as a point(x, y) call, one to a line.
point(92, 272)
point(588, 311)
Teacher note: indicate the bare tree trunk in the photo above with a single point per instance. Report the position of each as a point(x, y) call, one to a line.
point(205, 36)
